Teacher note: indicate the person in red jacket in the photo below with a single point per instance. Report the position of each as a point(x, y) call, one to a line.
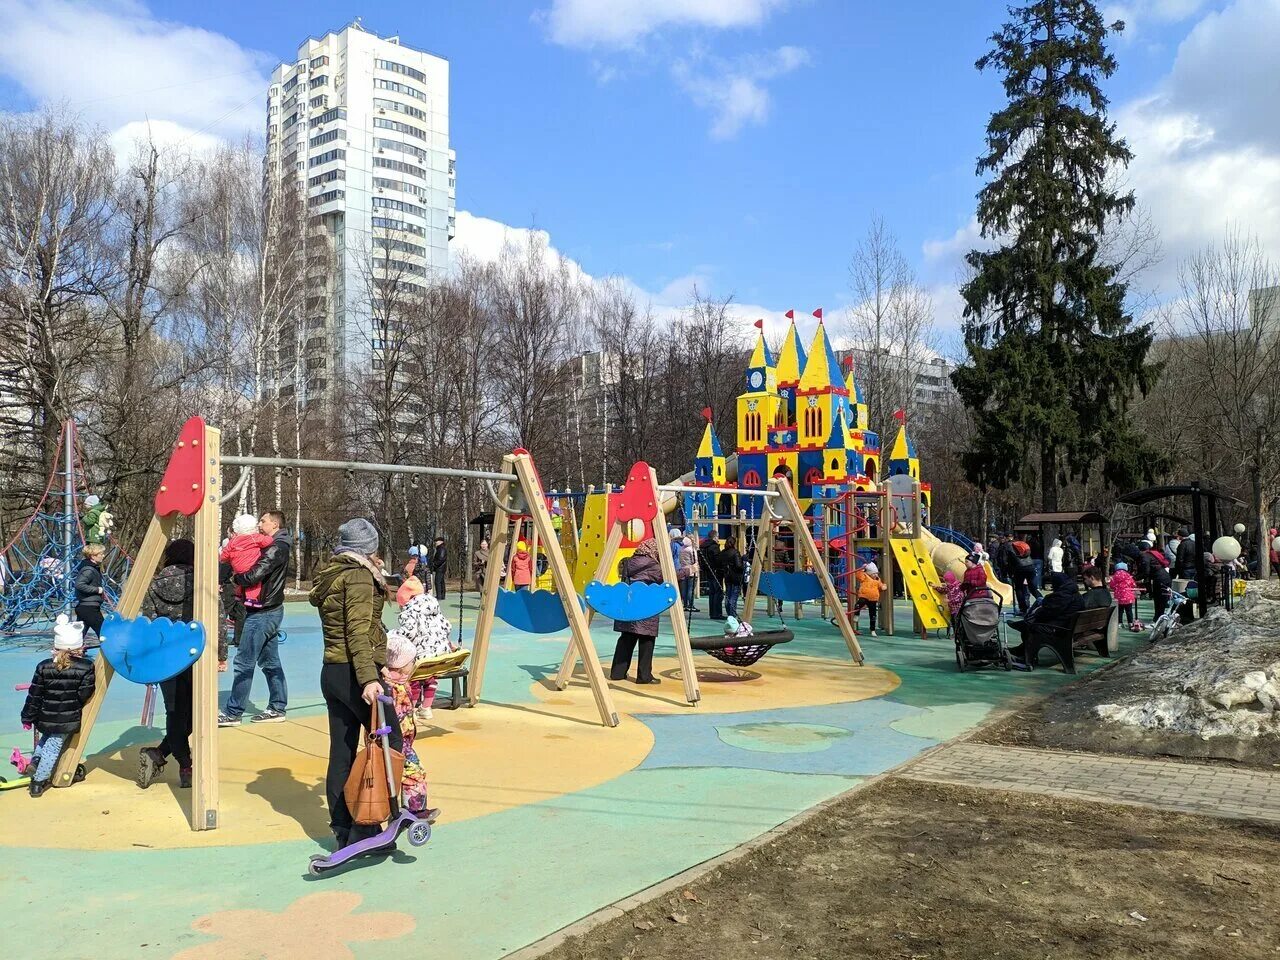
point(522, 566)
point(241, 551)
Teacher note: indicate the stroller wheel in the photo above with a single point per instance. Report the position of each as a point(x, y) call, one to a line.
point(1007, 661)
point(960, 657)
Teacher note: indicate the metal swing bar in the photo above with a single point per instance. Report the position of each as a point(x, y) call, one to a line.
point(364, 467)
point(738, 491)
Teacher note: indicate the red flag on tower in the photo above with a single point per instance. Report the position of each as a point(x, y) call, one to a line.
point(818, 313)
point(759, 324)
point(790, 314)
point(706, 414)
point(900, 416)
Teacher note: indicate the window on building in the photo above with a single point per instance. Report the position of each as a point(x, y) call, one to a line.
point(383, 123)
point(321, 139)
point(327, 157)
point(400, 68)
point(337, 113)
point(399, 107)
point(403, 88)
point(319, 62)
point(319, 81)
point(380, 143)
point(399, 166)
point(387, 223)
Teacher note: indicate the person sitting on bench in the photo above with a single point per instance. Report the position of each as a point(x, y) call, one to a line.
point(1055, 611)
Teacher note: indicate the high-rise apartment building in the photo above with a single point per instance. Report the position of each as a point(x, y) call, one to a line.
point(363, 122)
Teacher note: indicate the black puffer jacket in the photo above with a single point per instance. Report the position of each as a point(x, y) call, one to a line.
point(171, 594)
point(89, 585)
point(57, 697)
point(271, 570)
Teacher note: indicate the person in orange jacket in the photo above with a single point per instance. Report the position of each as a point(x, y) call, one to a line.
point(870, 586)
point(522, 566)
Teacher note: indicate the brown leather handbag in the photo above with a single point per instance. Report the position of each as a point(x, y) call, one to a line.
point(367, 791)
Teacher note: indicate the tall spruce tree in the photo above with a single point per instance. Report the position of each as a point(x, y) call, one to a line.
point(1053, 354)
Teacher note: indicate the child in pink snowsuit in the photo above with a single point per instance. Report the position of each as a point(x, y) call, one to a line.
point(242, 551)
point(950, 588)
point(1125, 589)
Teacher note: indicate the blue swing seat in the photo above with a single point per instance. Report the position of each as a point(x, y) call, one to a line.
point(533, 611)
point(630, 601)
point(791, 587)
point(150, 651)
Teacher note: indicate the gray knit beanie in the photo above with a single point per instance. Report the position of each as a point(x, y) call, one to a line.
point(358, 536)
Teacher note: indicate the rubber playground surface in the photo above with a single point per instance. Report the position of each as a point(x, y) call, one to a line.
point(547, 816)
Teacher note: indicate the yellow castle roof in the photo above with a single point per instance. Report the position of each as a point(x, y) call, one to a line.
point(791, 360)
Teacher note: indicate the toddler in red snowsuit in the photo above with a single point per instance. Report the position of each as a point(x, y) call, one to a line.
point(242, 550)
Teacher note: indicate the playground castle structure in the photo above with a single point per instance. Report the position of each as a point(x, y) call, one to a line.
point(801, 418)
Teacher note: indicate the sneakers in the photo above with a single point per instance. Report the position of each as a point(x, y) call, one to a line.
point(268, 715)
point(38, 787)
point(226, 720)
point(874, 634)
point(184, 778)
point(150, 765)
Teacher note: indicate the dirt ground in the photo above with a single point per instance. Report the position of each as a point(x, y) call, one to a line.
point(913, 870)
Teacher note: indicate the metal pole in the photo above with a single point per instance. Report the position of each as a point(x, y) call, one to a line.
point(680, 488)
point(363, 467)
point(69, 518)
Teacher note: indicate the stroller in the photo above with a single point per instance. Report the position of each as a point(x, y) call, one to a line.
point(979, 634)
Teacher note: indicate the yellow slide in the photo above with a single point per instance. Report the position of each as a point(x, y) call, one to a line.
point(919, 575)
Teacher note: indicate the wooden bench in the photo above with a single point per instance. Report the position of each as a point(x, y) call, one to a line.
point(1096, 628)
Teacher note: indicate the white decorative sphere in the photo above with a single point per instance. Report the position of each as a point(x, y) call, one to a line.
point(1226, 549)
point(1240, 529)
point(193, 651)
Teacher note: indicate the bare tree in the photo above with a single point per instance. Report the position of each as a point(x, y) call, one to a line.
point(890, 325)
point(536, 301)
point(56, 188)
point(1225, 339)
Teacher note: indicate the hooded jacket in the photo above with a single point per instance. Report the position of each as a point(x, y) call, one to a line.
point(641, 567)
point(349, 593)
point(171, 594)
point(56, 698)
point(1055, 557)
point(1186, 561)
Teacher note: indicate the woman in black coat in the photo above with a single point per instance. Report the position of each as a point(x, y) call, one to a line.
point(642, 566)
point(89, 589)
point(172, 595)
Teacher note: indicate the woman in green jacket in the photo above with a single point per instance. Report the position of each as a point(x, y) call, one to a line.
point(349, 592)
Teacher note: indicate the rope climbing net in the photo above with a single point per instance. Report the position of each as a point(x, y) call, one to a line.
point(38, 565)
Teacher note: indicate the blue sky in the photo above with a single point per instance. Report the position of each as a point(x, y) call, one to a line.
point(740, 144)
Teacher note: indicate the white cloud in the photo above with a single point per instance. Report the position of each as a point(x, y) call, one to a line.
point(483, 239)
point(621, 23)
point(1138, 14)
point(115, 63)
point(1205, 143)
point(734, 91)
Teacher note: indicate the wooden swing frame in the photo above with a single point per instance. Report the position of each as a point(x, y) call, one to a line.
point(518, 474)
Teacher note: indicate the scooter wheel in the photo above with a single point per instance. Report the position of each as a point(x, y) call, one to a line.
point(419, 833)
point(314, 868)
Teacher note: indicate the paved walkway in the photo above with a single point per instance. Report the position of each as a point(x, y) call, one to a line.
point(1212, 790)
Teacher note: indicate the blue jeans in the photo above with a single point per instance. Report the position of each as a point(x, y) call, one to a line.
point(686, 592)
point(46, 756)
point(259, 646)
point(731, 591)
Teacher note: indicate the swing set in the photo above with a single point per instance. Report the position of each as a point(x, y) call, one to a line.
point(192, 487)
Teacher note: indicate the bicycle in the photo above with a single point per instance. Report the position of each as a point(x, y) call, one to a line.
point(1169, 621)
